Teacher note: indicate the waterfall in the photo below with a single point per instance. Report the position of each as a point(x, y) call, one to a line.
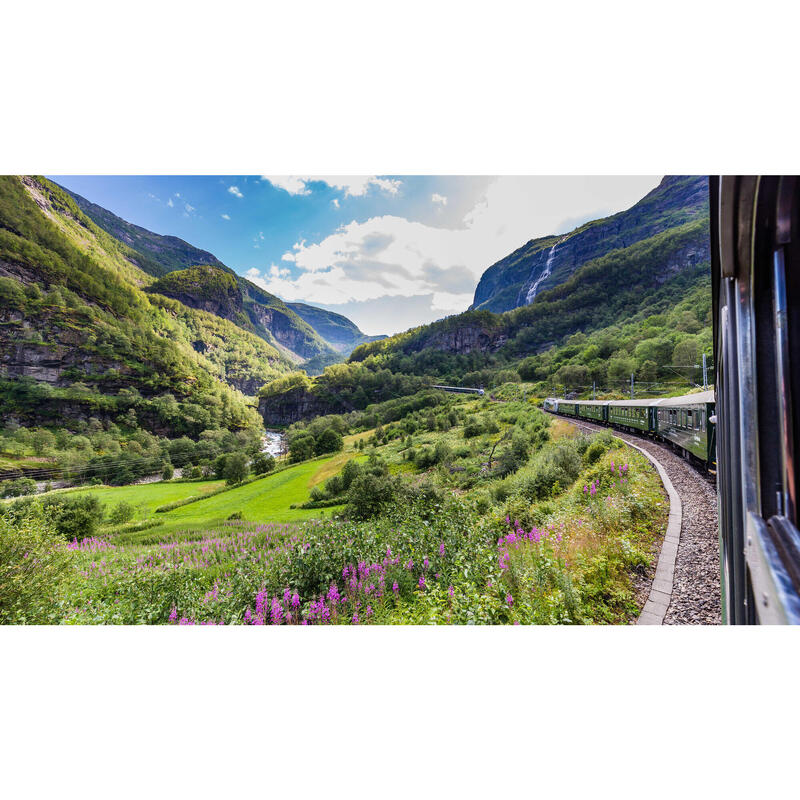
point(548, 268)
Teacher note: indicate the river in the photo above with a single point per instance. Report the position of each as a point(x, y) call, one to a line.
point(272, 443)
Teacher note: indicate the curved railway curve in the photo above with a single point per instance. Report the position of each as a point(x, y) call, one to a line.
point(696, 583)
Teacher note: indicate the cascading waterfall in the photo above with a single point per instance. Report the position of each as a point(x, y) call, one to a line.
point(548, 268)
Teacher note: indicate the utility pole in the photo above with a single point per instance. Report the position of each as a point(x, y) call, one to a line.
point(705, 372)
point(631, 386)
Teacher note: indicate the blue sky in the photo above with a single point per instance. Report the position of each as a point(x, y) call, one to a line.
point(389, 252)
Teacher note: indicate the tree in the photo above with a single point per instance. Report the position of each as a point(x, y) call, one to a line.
point(620, 369)
point(262, 463)
point(235, 468)
point(329, 441)
point(301, 447)
point(167, 471)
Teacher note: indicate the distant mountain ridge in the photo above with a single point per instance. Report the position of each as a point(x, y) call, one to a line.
point(343, 334)
point(302, 331)
point(548, 261)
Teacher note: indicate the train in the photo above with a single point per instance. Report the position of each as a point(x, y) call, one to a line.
point(687, 423)
point(755, 278)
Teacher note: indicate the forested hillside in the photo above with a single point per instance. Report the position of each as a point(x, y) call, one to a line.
point(301, 331)
point(79, 338)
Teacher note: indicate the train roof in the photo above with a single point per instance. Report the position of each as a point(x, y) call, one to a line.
point(698, 398)
point(685, 400)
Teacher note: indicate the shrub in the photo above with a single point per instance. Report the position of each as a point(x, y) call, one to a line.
point(370, 494)
point(18, 487)
point(34, 562)
point(167, 471)
point(121, 513)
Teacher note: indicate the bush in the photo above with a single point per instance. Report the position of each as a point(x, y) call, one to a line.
point(167, 471)
point(18, 487)
point(557, 466)
point(71, 516)
point(34, 562)
point(370, 494)
point(121, 513)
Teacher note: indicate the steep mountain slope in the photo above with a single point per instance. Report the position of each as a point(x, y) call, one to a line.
point(219, 291)
point(256, 310)
point(159, 254)
point(546, 262)
point(338, 330)
point(79, 338)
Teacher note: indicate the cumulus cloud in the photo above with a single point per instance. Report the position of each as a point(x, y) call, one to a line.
point(438, 198)
point(393, 257)
point(352, 186)
point(224, 216)
point(234, 190)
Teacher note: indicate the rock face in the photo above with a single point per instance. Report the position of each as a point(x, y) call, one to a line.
point(293, 406)
point(507, 284)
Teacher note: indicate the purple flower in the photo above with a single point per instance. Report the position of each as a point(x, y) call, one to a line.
point(425, 564)
point(295, 600)
point(395, 587)
point(173, 615)
point(369, 611)
point(509, 600)
point(421, 581)
point(441, 548)
point(450, 592)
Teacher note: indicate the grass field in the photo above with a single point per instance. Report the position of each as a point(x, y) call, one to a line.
point(265, 500)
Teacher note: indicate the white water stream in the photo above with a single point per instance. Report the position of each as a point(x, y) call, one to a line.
point(548, 268)
point(272, 443)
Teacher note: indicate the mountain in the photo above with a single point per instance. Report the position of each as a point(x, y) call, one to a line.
point(544, 263)
point(305, 333)
point(645, 278)
point(81, 338)
point(338, 330)
point(219, 291)
point(157, 254)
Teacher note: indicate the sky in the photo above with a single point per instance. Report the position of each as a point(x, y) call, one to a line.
point(388, 251)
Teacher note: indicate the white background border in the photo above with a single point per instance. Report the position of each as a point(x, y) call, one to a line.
point(417, 87)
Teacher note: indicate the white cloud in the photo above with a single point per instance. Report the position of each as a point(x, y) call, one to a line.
point(170, 203)
point(234, 190)
point(390, 256)
point(438, 198)
point(335, 202)
point(188, 210)
point(224, 216)
point(352, 186)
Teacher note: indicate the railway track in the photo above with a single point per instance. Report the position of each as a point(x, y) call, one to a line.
point(696, 582)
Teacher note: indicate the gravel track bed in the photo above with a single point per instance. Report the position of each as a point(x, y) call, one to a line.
point(696, 589)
